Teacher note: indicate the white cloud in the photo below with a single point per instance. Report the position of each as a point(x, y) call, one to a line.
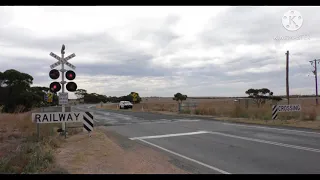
point(159, 51)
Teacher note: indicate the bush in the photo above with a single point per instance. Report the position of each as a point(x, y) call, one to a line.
point(185, 111)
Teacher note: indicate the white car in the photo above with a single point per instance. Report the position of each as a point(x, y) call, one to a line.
point(125, 105)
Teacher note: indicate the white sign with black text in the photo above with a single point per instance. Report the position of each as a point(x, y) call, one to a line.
point(284, 108)
point(86, 118)
point(63, 98)
point(289, 108)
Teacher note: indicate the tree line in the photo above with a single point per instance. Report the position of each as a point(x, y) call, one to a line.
point(18, 95)
point(97, 98)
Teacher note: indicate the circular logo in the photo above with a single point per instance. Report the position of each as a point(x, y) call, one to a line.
point(292, 20)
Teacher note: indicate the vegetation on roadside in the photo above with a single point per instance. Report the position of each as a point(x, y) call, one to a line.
point(21, 151)
point(97, 98)
point(261, 96)
point(16, 92)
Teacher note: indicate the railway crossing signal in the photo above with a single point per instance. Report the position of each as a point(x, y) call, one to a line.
point(69, 74)
point(71, 86)
point(63, 117)
point(54, 86)
point(55, 74)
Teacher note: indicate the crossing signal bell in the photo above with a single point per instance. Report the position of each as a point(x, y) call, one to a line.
point(54, 86)
point(71, 86)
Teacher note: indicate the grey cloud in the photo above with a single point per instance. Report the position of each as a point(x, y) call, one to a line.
point(129, 69)
point(161, 36)
point(256, 25)
point(239, 25)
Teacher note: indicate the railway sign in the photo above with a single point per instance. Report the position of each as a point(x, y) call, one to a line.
point(60, 60)
point(65, 117)
point(284, 108)
point(70, 57)
point(55, 56)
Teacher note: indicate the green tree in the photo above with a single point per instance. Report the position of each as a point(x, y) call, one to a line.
point(179, 98)
point(16, 90)
point(80, 93)
point(260, 96)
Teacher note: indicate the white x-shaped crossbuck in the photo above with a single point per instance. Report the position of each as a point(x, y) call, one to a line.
point(64, 60)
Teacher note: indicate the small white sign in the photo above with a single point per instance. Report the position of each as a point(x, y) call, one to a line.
point(289, 108)
point(63, 98)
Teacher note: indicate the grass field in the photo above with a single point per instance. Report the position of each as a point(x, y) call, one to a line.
point(20, 149)
point(227, 108)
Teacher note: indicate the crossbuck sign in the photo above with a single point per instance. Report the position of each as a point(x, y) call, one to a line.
point(284, 108)
point(64, 60)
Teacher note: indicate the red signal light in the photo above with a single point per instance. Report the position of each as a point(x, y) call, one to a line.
point(55, 87)
point(70, 75)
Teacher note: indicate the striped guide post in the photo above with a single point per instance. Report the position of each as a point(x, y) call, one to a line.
point(88, 121)
point(274, 111)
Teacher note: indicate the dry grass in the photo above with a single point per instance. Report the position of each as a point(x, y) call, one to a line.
point(20, 149)
point(228, 108)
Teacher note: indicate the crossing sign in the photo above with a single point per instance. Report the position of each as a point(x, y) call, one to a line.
point(70, 57)
point(64, 60)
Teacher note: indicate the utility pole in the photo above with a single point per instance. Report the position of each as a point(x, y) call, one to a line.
point(314, 64)
point(287, 75)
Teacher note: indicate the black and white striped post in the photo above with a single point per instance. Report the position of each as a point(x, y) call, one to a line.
point(88, 122)
point(274, 112)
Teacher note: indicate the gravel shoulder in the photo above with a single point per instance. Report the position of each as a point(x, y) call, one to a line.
point(107, 153)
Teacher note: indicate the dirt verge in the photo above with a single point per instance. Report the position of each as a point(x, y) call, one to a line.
point(102, 153)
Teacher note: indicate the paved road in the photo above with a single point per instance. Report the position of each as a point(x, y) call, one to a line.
point(206, 146)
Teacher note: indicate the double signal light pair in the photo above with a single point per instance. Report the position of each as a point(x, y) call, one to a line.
point(56, 86)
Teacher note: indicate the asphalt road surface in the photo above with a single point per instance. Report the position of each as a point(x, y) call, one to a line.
point(200, 145)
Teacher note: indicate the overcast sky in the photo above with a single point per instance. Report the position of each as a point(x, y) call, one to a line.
point(159, 51)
